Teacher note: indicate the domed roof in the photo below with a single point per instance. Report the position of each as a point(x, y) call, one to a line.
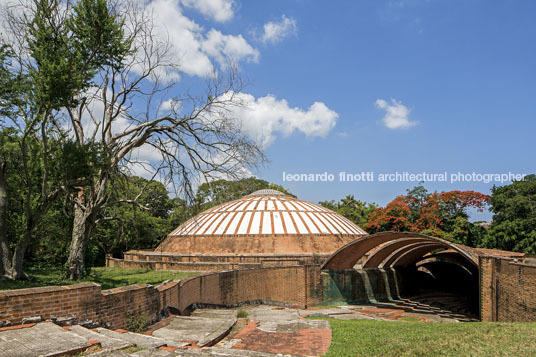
point(268, 213)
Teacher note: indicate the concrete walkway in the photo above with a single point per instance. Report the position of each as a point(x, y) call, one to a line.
point(42, 339)
point(281, 330)
point(267, 331)
point(203, 328)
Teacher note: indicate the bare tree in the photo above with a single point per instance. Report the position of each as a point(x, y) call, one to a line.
point(195, 136)
point(121, 114)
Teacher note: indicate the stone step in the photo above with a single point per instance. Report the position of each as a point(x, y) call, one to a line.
point(203, 328)
point(109, 353)
point(42, 339)
point(210, 351)
point(105, 341)
point(223, 352)
point(133, 338)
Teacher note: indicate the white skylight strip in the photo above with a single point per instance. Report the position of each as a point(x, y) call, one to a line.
point(266, 223)
point(278, 223)
point(261, 206)
point(243, 229)
point(255, 223)
point(224, 223)
point(233, 206)
point(316, 208)
point(352, 227)
point(299, 206)
point(206, 225)
point(322, 217)
point(251, 205)
point(345, 227)
point(234, 223)
point(215, 224)
point(290, 206)
point(279, 205)
point(301, 227)
point(193, 224)
point(321, 226)
point(270, 206)
point(291, 229)
point(336, 225)
point(309, 223)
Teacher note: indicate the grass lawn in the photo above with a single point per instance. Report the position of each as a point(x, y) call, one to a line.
point(107, 277)
point(379, 338)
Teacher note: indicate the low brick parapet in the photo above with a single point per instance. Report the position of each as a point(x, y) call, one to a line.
point(113, 308)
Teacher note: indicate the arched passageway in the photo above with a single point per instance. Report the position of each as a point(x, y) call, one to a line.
point(441, 272)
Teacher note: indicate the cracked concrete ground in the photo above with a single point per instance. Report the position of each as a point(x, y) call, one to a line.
point(267, 331)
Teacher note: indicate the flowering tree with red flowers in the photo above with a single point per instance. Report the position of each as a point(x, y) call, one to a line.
point(439, 214)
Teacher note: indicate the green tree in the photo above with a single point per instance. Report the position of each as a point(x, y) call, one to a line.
point(136, 224)
point(216, 192)
point(85, 67)
point(29, 193)
point(355, 210)
point(54, 66)
point(514, 217)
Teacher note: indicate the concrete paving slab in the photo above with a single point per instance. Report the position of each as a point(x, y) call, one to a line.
point(153, 352)
point(283, 320)
point(281, 330)
point(108, 353)
point(204, 328)
point(106, 342)
point(223, 352)
point(134, 338)
point(43, 339)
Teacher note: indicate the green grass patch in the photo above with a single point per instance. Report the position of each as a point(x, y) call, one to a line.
point(383, 338)
point(409, 319)
point(107, 277)
point(242, 313)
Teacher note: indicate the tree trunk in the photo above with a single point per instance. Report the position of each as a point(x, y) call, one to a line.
point(17, 271)
point(5, 253)
point(76, 267)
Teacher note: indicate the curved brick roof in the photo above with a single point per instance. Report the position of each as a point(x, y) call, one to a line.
point(266, 222)
point(268, 212)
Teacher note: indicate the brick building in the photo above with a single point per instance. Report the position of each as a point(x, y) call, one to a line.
point(265, 228)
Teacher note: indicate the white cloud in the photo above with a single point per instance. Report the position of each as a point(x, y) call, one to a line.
point(396, 114)
point(219, 10)
point(263, 118)
point(194, 48)
point(277, 31)
point(228, 47)
point(170, 105)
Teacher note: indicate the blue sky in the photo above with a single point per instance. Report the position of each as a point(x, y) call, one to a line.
point(464, 70)
point(380, 86)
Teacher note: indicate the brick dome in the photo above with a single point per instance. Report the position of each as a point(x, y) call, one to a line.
point(264, 222)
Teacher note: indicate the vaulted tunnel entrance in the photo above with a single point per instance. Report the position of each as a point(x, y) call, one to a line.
point(412, 270)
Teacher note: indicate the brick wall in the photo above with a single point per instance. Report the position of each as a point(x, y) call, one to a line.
point(49, 302)
point(507, 290)
point(508, 293)
point(86, 301)
point(189, 262)
point(278, 285)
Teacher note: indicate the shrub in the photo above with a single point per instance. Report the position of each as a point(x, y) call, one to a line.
point(137, 322)
point(242, 313)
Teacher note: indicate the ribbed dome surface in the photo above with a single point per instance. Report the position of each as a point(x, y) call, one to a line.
point(268, 212)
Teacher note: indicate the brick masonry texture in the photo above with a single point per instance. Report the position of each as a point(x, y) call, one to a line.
point(192, 262)
point(507, 290)
point(86, 301)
